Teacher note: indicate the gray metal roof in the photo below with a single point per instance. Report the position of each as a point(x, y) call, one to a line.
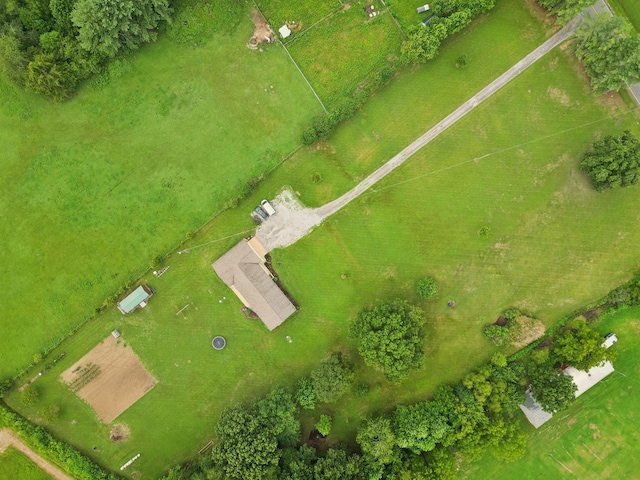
point(584, 380)
point(242, 269)
point(534, 412)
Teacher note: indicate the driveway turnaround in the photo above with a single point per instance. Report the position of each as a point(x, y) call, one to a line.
point(294, 222)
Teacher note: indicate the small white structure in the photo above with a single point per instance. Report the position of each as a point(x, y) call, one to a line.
point(284, 31)
point(584, 380)
point(115, 333)
point(423, 8)
point(610, 340)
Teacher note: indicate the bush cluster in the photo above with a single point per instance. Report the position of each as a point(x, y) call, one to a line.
point(323, 125)
point(450, 17)
point(65, 456)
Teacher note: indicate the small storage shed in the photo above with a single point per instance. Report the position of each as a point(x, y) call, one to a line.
point(137, 298)
point(284, 31)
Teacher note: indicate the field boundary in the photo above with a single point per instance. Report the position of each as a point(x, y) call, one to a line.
point(10, 439)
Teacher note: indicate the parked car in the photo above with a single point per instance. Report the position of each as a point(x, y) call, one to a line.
point(267, 207)
point(423, 8)
point(257, 219)
point(260, 211)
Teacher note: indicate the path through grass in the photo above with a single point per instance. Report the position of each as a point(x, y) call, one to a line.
point(15, 466)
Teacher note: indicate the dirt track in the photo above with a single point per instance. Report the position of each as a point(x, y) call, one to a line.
point(10, 439)
point(296, 221)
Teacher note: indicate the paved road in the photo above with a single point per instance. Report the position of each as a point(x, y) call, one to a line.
point(284, 230)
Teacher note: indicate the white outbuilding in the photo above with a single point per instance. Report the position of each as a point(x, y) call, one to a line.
point(284, 31)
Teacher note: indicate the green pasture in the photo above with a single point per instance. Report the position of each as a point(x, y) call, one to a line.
point(405, 12)
point(96, 187)
point(597, 437)
point(511, 165)
point(14, 465)
point(306, 13)
point(630, 8)
point(346, 49)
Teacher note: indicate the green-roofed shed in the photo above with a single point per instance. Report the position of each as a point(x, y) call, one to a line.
point(137, 298)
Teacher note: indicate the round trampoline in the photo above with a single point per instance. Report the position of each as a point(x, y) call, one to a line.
point(219, 342)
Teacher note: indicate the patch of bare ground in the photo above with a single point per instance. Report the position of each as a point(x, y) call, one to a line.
point(262, 32)
point(110, 378)
point(528, 330)
point(119, 433)
point(612, 101)
point(541, 15)
point(560, 96)
point(596, 431)
point(10, 439)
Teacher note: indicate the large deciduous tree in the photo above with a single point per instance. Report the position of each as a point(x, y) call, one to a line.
point(566, 9)
point(553, 390)
point(327, 382)
point(249, 437)
point(609, 48)
point(614, 161)
point(580, 346)
point(390, 338)
point(107, 26)
point(420, 427)
point(247, 448)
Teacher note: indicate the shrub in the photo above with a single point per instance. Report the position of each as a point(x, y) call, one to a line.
point(427, 288)
point(362, 389)
point(29, 396)
point(497, 334)
point(324, 425)
point(305, 394)
point(5, 386)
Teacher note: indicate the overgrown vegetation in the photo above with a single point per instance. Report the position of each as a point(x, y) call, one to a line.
point(64, 455)
point(450, 17)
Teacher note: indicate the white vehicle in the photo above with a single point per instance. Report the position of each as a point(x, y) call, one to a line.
point(423, 8)
point(266, 206)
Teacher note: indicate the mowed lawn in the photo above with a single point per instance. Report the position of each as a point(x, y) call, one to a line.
point(94, 188)
point(14, 465)
point(554, 244)
point(597, 437)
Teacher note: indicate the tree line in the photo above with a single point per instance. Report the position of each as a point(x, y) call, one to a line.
point(50, 46)
point(425, 440)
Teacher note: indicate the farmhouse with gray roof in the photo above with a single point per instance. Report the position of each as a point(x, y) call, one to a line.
point(243, 269)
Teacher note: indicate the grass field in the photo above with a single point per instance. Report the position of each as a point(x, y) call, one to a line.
point(405, 12)
point(630, 8)
point(15, 466)
point(96, 187)
point(306, 13)
point(511, 165)
point(597, 437)
point(345, 49)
